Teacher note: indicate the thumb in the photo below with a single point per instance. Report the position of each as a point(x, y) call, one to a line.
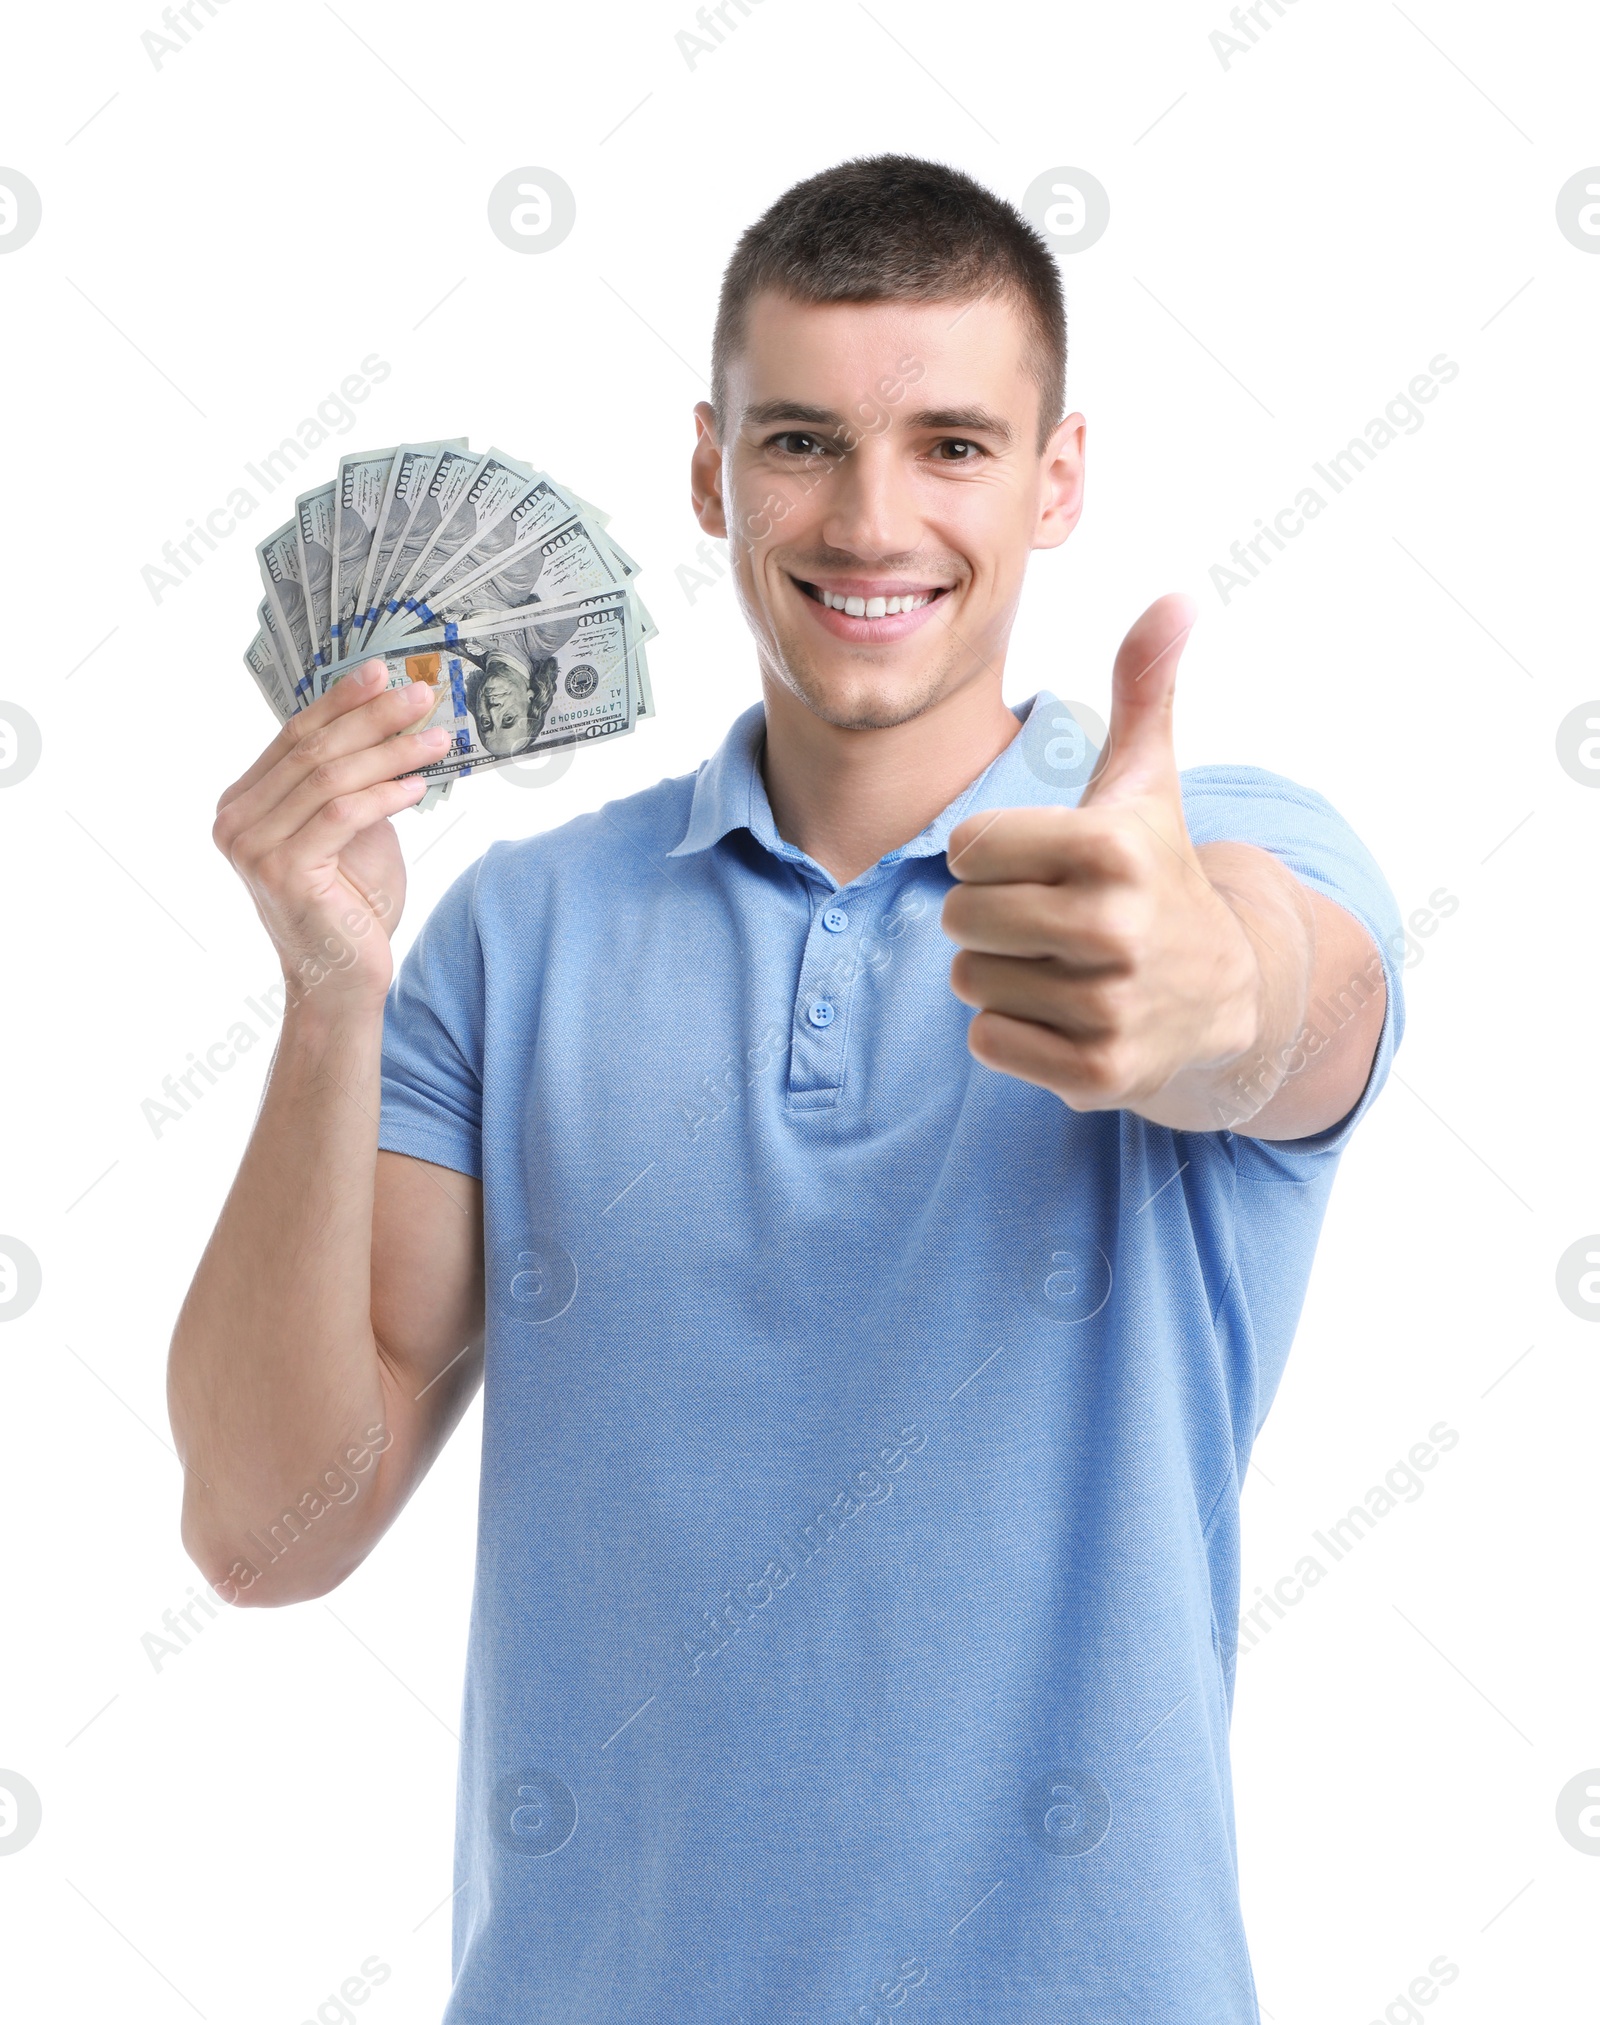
point(1139, 757)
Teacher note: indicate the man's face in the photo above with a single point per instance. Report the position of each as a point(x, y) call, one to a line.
point(881, 487)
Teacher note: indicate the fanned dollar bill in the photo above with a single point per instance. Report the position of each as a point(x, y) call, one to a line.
point(574, 561)
point(510, 686)
point(313, 513)
point(453, 472)
point(539, 509)
point(279, 558)
point(282, 653)
point(263, 665)
point(473, 572)
point(413, 467)
point(358, 494)
point(495, 487)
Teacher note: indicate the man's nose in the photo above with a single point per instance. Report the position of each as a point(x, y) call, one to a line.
point(872, 510)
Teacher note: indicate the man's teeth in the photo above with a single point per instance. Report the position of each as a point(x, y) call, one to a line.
point(872, 608)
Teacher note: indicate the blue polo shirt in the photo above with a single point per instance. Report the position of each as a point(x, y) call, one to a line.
point(858, 1561)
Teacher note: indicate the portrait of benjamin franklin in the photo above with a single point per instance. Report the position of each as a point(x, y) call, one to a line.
point(510, 695)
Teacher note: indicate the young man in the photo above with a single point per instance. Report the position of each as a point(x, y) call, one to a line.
point(868, 1385)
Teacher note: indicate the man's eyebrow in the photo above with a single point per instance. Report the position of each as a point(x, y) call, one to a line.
point(977, 419)
point(760, 413)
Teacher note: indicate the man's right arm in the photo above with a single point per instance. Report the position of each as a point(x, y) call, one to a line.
point(332, 1336)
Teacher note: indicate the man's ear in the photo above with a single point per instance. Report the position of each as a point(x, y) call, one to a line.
point(705, 473)
point(1061, 483)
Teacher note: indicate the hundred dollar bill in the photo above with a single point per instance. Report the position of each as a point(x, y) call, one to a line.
point(358, 494)
point(644, 703)
point(545, 507)
point(621, 561)
point(508, 688)
point(507, 552)
point(296, 689)
point(263, 665)
point(281, 654)
point(540, 507)
point(279, 557)
point(644, 706)
point(640, 664)
point(496, 486)
point(453, 472)
point(569, 563)
point(313, 513)
point(414, 465)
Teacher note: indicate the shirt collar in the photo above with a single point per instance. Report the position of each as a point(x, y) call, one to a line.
point(1045, 765)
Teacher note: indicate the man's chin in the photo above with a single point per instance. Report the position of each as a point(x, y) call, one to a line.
point(862, 699)
point(855, 706)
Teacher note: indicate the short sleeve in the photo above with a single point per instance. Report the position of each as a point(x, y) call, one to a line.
point(433, 1021)
point(1245, 805)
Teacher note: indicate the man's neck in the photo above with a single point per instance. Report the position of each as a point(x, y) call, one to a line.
point(847, 797)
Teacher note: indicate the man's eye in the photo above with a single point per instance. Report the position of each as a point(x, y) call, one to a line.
point(796, 443)
point(961, 450)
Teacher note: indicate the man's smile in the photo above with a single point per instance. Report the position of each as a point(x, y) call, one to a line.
point(867, 608)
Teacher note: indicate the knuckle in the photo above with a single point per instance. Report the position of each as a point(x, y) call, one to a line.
point(312, 742)
point(1109, 1006)
point(1104, 1067)
point(1119, 931)
point(1116, 852)
point(243, 854)
point(340, 810)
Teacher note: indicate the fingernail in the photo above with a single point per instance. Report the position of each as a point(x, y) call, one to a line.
point(371, 674)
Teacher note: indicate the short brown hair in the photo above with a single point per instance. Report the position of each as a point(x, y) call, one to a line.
point(894, 228)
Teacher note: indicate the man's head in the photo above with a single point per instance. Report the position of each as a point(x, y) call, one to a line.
point(886, 424)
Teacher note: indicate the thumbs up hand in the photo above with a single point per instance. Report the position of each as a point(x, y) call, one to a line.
point(1104, 962)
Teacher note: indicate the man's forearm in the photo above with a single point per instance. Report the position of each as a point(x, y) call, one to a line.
point(1304, 1068)
point(274, 1382)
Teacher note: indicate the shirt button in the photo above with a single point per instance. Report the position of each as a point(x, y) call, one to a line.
point(836, 921)
point(822, 1012)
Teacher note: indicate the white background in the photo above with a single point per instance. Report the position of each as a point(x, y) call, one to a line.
point(1293, 237)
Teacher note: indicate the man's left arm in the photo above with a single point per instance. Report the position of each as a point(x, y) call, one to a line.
point(1113, 961)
